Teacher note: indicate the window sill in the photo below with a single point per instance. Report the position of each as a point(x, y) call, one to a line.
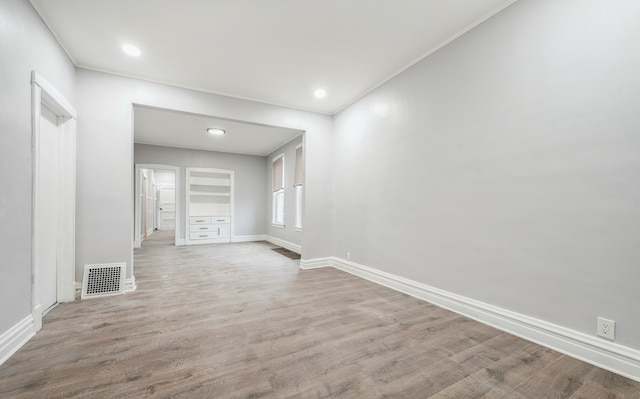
point(279, 226)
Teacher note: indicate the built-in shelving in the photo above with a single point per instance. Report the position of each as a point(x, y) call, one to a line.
point(209, 205)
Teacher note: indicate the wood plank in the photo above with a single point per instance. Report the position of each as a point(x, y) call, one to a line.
point(240, 321)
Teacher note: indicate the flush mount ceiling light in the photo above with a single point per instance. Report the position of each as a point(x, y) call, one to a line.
point(320, 93)
point(215, 131)
point(130, 49)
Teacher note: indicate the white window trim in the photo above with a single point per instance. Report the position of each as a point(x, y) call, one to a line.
point(299, 201)
point(274, 222)
point(298, 207)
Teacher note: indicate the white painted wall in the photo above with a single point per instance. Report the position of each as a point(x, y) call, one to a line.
point(250, 177)
point(105, 160)
point(506, 166)
point(289, 232)
point(25, 45)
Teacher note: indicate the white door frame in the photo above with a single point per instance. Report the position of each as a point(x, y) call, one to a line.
point(44, 93)
point(137, 220)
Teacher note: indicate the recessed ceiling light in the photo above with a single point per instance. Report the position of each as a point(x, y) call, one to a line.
point(320, 93)
point(131, 50)
point(215, 131)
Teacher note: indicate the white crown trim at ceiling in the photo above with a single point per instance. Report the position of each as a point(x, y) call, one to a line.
point(429, 52)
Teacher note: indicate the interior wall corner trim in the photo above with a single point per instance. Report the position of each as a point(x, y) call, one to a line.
point(316, 263)
point(285, 244)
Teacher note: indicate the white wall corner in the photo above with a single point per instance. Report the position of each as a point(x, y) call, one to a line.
point(71, 292)
point(285, 244)
point(15, 337)
point(130, 284)
point(316, 263)
point(249, 238)
point(607, 355)
point(78, 289)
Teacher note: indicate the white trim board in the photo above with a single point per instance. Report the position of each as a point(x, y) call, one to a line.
point(249, 238)
point(285, 244)
point(316, 263)
point(604, 354)
point(14, 338)
point(130, 284)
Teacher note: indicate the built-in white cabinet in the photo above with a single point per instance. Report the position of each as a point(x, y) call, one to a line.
point(209, 201)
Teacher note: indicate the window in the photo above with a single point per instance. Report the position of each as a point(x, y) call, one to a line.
point(298, 179)
point(277, 180)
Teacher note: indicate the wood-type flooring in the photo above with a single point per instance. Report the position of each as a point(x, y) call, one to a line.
point(242, 321)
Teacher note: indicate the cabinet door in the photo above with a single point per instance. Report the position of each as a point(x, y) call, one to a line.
point(225, 230)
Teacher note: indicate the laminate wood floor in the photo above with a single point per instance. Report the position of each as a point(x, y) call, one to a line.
point(242, 321)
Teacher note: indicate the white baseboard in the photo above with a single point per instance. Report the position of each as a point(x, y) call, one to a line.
point(181, 242)
point(251, 238)
point(36, 317)
point(285, 244)
point(317, 263)
point(591, 349)
point(15, 337)
point(130, 284)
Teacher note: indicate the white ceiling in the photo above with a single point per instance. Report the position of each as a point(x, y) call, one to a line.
point(273, 51)
point(180, 129)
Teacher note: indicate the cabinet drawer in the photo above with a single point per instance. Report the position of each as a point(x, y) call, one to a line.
point(200, 220)
point(221, 219)
point(203, 227)
point(204, 235)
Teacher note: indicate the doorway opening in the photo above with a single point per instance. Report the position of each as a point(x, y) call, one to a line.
point(157, 204)
point(54, 168)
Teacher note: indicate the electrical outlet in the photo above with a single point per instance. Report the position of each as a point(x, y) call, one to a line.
point(606, 328)
point(348, 255)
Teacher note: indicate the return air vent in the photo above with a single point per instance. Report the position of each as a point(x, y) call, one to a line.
point(103, 280)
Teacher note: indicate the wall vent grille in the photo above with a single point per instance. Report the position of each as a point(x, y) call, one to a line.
point(103, 280)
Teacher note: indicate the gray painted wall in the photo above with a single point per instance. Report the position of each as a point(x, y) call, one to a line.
point(25, 45)
point(289, 232)
point(505, 166)
point(105, 158)
point(250, 176)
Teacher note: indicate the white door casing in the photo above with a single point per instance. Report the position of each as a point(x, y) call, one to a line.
point(48, 209)
point(59, 117)
point(145, 211)
point(151, 207)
